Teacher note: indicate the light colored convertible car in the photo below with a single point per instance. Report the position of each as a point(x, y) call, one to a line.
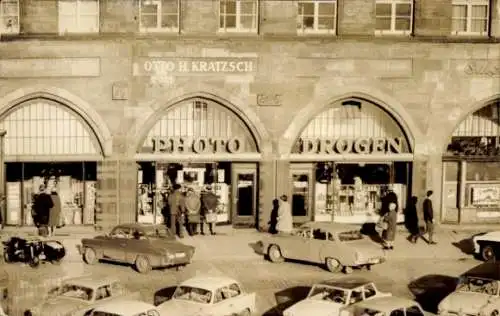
point(336, 246)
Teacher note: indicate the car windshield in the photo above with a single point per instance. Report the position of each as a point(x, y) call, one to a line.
point(157, 232)
point(188, 293)
point(328, 293)
point(350, 235)
point(478, 285)
point(77, 291)
point(368, 312)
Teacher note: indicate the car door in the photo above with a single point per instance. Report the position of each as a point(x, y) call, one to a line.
point(297, 246)
point(116, 244)
point(137, 244)
point(317, 245)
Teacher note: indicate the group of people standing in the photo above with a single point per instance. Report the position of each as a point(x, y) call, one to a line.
point(389, 217)
point(46, 211)
point(189, 210)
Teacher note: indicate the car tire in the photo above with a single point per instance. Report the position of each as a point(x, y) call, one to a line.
point(27, 313)
point(347, 270)
point(495, 313)
point(90, 256)
point(6, 257)
point(333, 265)
point(34, 262)
point(487, 252)
point(274, 254)
point(245, 312)
point(142, 264)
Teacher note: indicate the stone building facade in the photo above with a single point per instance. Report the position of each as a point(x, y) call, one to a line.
point(114, 114)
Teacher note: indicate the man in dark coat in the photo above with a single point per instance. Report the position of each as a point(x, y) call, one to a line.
point(429, 216)
point(43, 204)
point(209, 210)
point(193, 205)
point(55, 212)
point(274, 217)
point(177, 210)
point(411, 220)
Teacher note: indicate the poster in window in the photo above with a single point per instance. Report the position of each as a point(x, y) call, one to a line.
point(13, 203)
point(485, 195)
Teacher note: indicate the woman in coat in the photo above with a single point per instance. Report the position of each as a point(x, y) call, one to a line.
point(55, 212)
point(285, 218)
point(411, 219)
point(391, 219)
point(193, 205)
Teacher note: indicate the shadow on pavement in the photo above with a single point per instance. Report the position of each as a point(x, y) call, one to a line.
point(465, 245)
point(256, 247)
point(287, 298)
point(163, 295)
point(430, 289)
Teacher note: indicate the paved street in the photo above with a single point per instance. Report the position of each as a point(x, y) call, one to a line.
point(231, 254)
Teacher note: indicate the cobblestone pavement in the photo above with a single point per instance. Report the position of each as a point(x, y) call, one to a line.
point(231, 254)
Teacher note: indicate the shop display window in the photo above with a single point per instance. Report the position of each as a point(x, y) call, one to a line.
point(482, 187)
point(75, 184)
point(351, 189)
point(156, 180)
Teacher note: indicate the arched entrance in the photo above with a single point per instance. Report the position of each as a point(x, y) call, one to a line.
point(49, 143)
point(199, 143)
point(345, 159)
point(471, 169)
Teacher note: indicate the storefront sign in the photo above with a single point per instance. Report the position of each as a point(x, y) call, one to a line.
point(197, 145)
point(364, 146)
point(485, 195)
point(170, 66)
point(483, 69)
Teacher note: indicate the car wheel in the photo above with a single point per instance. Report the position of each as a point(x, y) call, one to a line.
point(28, 313)
point(274, 254)
point(142, 264)
point(369, 267)
point(347, 270)
point(6, 257)
point(35, 262)
point(494, 313)
point(246, 312)
point(487, 252)
point(89, 256)
point(333, 265)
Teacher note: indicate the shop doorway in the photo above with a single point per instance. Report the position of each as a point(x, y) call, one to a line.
point(301, 175)
point(244, 193)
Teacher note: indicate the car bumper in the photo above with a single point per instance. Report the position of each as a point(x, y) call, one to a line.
point(369, 261)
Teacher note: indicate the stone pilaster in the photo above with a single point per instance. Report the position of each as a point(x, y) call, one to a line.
point(266, 192)
point(107, 194)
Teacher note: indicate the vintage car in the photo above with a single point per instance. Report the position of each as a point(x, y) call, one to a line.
point(388, 306)
point(78, 296)
point(336, 246)
point(32, 250)
point(487, 245)
point(477, 293)
point(125, 308)
point(209, 296)
point(142, 245)
point(330, 298)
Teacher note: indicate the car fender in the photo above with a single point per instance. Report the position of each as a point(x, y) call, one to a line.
point(95, 244)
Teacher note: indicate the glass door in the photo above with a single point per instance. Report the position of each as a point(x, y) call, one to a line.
point(244, 194)
point(301, 177)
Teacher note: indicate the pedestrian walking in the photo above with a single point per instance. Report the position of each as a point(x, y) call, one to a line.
point(178, 209)
point(210, 201)
point(193, 205)
point(274, 217)
point(390, 211)
point(285, 219)
point(55, 212)
point(165, 210)
point(429, 217)
point(43, 204)
point(411, 220)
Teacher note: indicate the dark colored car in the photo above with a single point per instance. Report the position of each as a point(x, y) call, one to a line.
point(32, 250)
point(145, 246)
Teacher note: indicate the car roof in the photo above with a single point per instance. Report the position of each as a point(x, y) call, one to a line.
point(486, 270)
point(139, 226)
point(331, 227)
point(91, 282)
point(348, 283)
point(388, 303)
point(124, 307)
point(209, 282)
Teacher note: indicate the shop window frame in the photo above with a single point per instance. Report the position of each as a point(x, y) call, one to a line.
point(393, 30)
point(223, 15)
point(469, 4)
point(15, 23)
point(301, 30)
point(76, 25)
point(159, 17)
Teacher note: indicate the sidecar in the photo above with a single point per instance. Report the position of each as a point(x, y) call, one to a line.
point(32, 251)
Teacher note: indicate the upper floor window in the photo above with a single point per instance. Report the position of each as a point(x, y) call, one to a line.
point(393, 16)
point(470, 17)
point(78, 16)
point(159, 15)
point(9, 16)
point(238, 15)
point(317, 16)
